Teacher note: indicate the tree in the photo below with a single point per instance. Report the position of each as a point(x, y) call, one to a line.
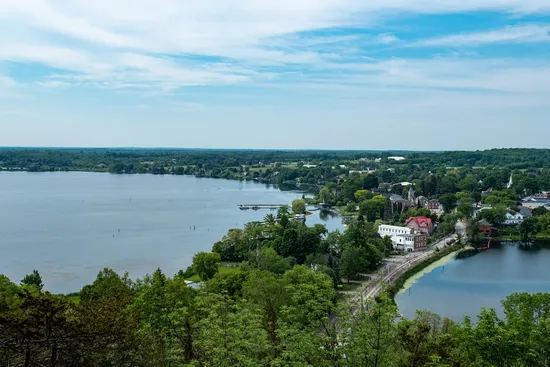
point(373, 208)
point(496, 216)
point(465, 205)
point(362, 195)
point(368, 337)
point(528, 227)
point(354, 261)
point(268, 293)
point(468, 184)
point(268, 259)
point(33, 279)
point(539, 211)
point(449, 202)
point(269, 219)
point(206, 264)
point(371, 181)
point(299, 206)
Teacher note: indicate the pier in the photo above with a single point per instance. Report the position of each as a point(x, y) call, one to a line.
point(261, 206)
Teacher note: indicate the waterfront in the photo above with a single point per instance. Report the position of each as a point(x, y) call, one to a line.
point(71, 225)
point(461, 287)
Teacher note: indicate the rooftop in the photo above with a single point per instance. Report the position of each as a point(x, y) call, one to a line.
point(421, 221)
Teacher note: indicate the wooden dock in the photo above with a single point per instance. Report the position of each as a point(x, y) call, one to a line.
point(261, 206)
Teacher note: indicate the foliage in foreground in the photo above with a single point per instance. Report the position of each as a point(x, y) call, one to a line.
point(254, 318)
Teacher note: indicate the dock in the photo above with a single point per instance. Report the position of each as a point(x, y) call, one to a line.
point(261, 206)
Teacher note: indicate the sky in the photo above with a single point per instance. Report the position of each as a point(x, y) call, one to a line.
point(307, 74)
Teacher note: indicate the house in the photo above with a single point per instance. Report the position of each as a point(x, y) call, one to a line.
point(396, 159)
point(485, 227)
point(420, 224)
point(513, 218)
point(421, 201)
point(433, 205)
point(526, 212)
point(101, 165)
point(403, 238)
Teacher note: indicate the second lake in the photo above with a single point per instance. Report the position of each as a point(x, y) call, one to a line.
point(463, 287)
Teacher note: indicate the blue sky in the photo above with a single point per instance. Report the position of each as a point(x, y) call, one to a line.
point(347, 74)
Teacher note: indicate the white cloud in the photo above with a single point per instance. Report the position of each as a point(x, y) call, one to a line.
point(387, 38)
point(173, 43)
point(6, 82)
point(531, 33)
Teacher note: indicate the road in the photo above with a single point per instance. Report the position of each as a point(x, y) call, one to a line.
point(395, 266)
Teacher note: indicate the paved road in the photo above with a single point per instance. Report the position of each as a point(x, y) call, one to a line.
point(395, 266)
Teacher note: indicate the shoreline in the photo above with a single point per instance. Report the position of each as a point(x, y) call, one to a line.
point(411, 280)
point(420, 269)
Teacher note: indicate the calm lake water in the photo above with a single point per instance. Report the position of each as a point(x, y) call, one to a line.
point(462, 287)
point(71, 225)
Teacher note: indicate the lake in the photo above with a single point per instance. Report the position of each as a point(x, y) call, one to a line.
point(70, 225)
point(462, 287)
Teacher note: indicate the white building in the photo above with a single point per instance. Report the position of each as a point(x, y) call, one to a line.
point(404, 242)
point(392, 231)
point(513, 218)
point(396, 158)
point(403, 238)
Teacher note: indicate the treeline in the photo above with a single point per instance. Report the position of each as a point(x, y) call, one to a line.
point(312, 169)
point(254, 318)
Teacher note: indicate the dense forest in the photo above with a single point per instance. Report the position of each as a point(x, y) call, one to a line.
point(253, 318)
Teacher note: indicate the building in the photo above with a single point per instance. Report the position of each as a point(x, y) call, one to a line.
point(420, 224)
point(410, 242)
point(433, 205)
point(535, 201)
point(391, 231)
point(513, 218)
point(485, 227)
point(403, 238)
point(421, 201)
point(526, 212)
point(396, 158)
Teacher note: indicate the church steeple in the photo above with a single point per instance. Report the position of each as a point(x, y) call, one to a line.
point(511, 182)
point(412, 197)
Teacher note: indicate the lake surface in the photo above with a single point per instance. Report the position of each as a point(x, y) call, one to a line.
point(69, 226)
point(462, 287)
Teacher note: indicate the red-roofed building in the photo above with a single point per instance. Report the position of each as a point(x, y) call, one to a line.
point(420, 224)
